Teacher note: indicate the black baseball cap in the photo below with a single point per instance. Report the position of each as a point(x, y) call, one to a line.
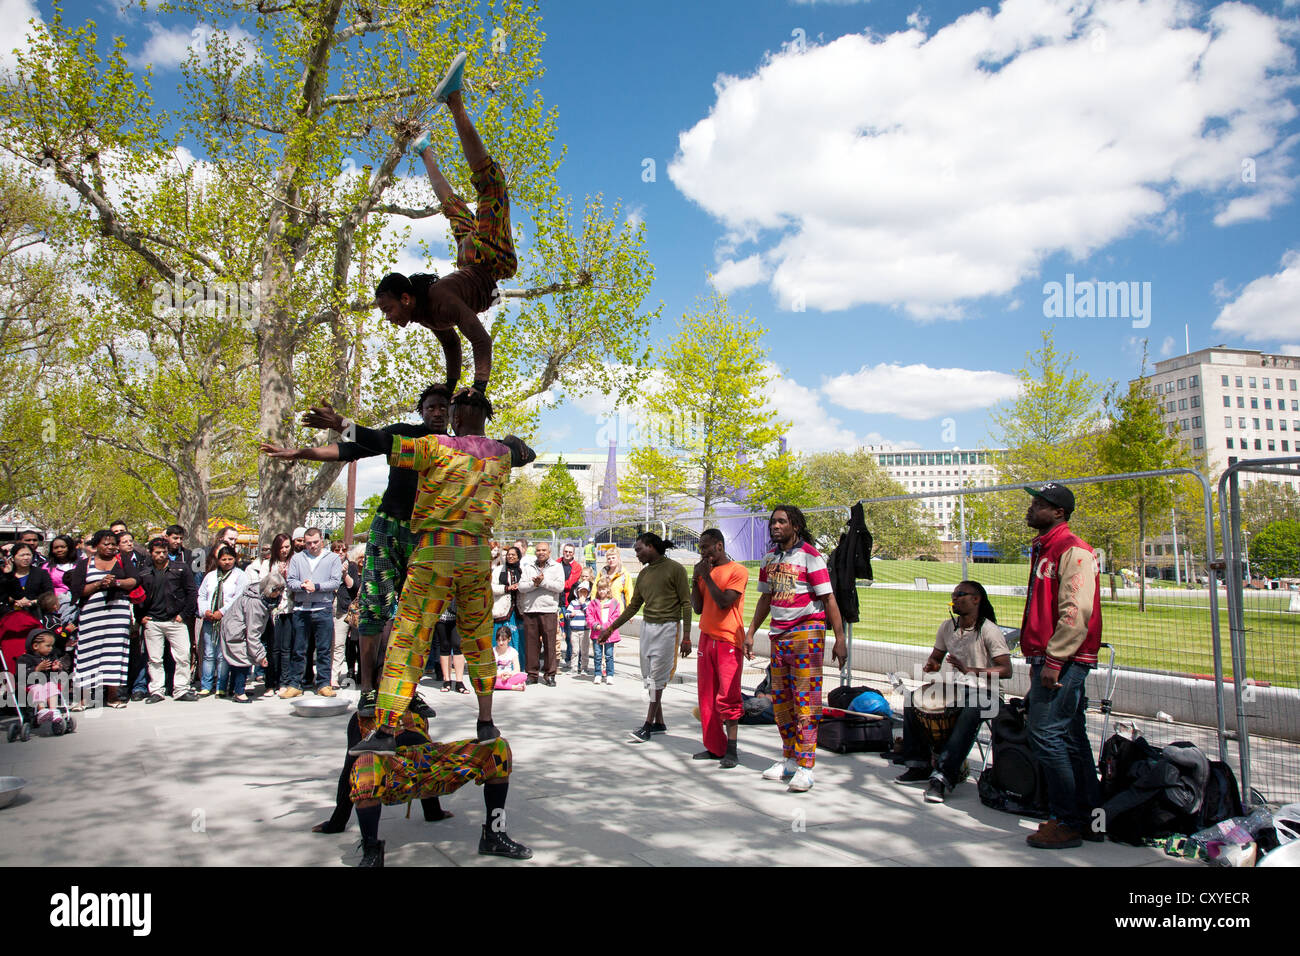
point(1054, 494)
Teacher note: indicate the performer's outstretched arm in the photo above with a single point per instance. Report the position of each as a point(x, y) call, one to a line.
point(451, 350)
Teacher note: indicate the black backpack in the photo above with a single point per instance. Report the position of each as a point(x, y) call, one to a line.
point(1155, 793)
point(1013, 784)
point(1222, 795)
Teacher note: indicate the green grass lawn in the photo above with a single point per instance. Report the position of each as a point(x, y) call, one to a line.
point(1173, 634)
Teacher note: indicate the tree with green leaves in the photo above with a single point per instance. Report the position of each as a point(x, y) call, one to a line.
point(1275, 550)
point(652, 487)
point(1137, 440)
point(1266, 502)
point(295, 201)
point(898, 529)
point(1049, 432)
point(712, 407)
point(782, 479)
point(559, 502)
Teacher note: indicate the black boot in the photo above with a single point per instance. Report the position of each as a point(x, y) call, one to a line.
point(492, 843)
point(729, 758)
point(372, 853)
point(378, 741)
point(418, 706)
point(486, 731)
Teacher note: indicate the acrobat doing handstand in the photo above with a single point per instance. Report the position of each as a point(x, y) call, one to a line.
point(485, 250)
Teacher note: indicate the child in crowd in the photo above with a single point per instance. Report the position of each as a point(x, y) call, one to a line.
point(575, 616)
point(41, 666)
point(601, 613)
point(509, 676)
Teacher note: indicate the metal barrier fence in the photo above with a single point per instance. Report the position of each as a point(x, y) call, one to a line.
point(1265, 650)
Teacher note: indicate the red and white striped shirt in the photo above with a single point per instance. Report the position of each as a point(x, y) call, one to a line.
point(795, 579)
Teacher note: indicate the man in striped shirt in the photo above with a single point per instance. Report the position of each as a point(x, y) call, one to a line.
point(795, 587)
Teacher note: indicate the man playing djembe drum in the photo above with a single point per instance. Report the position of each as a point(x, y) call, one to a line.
point(941, 719)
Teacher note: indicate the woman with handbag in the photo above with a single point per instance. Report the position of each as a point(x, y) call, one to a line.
point(505, 604)
point(101, 588)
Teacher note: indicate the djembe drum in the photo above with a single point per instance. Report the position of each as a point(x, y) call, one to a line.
point(936, 712)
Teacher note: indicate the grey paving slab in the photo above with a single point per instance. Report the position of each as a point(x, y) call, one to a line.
point(212, 783)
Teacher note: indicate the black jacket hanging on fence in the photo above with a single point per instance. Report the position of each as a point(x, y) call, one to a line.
point(851, 562)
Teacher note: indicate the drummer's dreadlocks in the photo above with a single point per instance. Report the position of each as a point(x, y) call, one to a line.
point(986, 612)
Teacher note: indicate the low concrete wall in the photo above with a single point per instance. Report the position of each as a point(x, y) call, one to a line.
point(1270, 711)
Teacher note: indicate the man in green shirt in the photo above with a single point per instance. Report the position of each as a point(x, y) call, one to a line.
point(665, 592)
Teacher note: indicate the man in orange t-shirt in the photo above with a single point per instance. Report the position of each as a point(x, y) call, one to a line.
point(717, 596)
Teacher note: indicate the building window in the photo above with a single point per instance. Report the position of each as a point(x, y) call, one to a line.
point(1279, 384)
point(1255, 423)
point(1198, 443)
point(1241, 423)
point(1271, 446)
point(1254, 402)
point(1193, 381)
point(1268, 404)
point(1230, 444)
point(1227, 401)
point(1266, 384)
point(1183, 424)
point(1182, 404)
point(1196, 421)
point(1224, 379)
point(1268, 424)
point(1284, 445)
point(1196, 401)
point(1227, 421)
point(1293, 385)
point(1241, 402)
point(1182, 385)
point(1238, 381)
point(1257, 448)
point(1171, 406)
point(1251, 380)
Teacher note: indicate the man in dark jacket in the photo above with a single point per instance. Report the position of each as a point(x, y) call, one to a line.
point(170, 600)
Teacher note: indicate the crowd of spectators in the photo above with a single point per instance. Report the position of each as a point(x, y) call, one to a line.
point(140, 623)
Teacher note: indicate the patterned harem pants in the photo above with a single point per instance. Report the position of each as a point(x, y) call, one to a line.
point(484, 238)
point(388, 549)
point(445, 564)
point(797, 691)
point(429, 770)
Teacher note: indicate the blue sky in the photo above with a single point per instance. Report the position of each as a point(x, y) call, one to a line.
point(914, 173)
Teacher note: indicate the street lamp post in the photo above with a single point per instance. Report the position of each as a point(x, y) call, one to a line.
point(961, 507)
point(1246, 553)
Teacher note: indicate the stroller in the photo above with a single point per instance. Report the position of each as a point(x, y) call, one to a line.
point(22, 727)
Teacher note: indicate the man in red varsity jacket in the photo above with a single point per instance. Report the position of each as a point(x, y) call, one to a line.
point(1059, 636)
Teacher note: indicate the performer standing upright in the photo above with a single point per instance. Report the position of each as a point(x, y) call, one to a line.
point(459, 499)
point(485, 251)
point(795, 586)
point(389, 542)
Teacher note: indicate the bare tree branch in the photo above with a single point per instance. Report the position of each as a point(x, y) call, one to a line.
point(425, 213)
point(192, 253)
point(362, 27)
point(339, 99)
point(584, 279)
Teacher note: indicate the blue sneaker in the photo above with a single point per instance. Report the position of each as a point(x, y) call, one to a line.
point(451, 82)
point(421, 144)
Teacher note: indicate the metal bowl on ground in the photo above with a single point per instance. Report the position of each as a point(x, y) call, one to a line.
point(320, 706)
point(10, 787)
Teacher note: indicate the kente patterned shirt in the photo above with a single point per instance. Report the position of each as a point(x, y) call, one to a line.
point(461, 481)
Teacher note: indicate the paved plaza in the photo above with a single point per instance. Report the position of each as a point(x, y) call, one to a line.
point(212, 783)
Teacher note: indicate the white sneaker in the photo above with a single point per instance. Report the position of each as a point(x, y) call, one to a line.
point(605, 679)
point(803, 780)
point(781, 770)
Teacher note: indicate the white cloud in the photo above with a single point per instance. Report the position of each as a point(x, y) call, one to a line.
point(737, 275)
point(635, 216)
point(168, 49)
point(15, 16)
point(812, 428)
point(1290, 349)
point(1167, 346)
point(923, 172)
point(918, 392)
point(1268, 307)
